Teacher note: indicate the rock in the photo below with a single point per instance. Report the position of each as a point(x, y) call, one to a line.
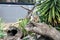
point(13, 33)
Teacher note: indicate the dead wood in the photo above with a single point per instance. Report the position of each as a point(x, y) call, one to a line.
point(43, 29)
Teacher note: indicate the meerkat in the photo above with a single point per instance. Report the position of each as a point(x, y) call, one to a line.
point(34, 18)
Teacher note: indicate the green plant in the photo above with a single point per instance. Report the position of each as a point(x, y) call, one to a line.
point(22, 24)
point(49, 11)
point(1, 29)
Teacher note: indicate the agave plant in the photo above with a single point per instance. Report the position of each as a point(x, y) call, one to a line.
point(49, 11)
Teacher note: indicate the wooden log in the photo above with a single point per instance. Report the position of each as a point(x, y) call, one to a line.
point(43, 29)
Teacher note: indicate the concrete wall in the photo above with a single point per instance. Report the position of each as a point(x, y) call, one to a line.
point(11, 13)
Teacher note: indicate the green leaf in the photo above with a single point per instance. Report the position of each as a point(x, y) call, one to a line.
point(22, 25)
point(55, 1)
point(44, 10)
point(53, 12)
point(40, 7)
point(50, 17)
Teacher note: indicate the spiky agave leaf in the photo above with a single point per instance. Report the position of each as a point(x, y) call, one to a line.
point(50, 17)
point(47, 6)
